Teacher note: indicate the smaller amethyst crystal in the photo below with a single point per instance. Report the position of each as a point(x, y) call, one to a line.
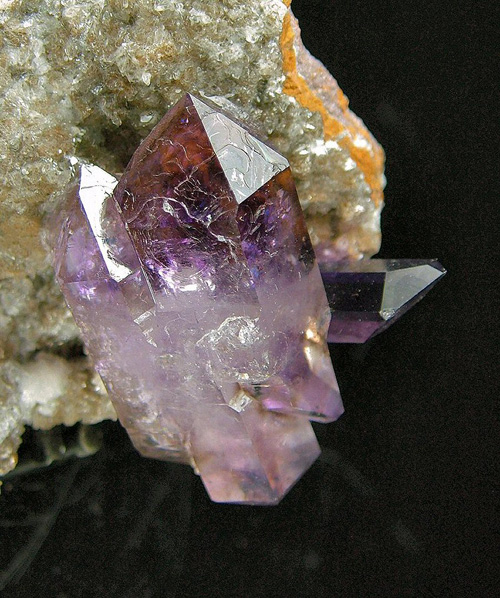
point(201, 303)
point(367, 296)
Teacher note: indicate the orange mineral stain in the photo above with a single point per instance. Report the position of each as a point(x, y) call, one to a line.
point(370, 159)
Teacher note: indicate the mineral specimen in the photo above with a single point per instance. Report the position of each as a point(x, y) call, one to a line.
point(199, 298)
point(367, 296)
point(90, 79)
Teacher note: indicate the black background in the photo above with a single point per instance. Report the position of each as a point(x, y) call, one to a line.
point(403, 501)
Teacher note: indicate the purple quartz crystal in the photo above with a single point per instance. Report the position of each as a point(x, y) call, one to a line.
point(367, 296)
point(201, 303)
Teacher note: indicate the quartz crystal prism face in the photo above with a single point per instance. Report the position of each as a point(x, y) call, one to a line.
point(201, 303)
point(367, 296)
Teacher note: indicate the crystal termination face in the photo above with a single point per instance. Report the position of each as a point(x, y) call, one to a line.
point(201, 303)
point(367, 296)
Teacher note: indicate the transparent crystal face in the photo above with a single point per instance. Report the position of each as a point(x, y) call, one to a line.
point(96, 186)
point(247, 162)
point(367, 296)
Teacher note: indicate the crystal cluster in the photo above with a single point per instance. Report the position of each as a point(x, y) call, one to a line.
point(198, 294)
point(367, 296)
point(90, 78)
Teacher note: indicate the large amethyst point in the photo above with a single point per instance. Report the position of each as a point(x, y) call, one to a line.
point(202, 306)
point(367, 296)
point(215, 218)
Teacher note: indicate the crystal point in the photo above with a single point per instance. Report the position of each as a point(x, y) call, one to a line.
point(367, 296)
point(201, 304)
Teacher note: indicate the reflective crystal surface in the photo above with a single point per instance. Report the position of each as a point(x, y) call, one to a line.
point(73, 91)
point(367, 296)
point(201, 303)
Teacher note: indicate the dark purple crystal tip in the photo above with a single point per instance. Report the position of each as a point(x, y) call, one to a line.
point(367, 296)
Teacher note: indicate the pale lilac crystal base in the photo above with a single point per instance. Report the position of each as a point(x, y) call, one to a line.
point(201, 303)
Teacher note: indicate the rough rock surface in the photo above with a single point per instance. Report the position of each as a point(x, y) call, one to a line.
point(90, 78)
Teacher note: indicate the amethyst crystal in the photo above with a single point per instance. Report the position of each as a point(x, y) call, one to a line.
point(201, 303)
point(367, 296)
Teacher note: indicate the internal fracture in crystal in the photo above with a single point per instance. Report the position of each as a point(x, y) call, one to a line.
point(367, 296)
point(72, 91)
point(201, 304)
